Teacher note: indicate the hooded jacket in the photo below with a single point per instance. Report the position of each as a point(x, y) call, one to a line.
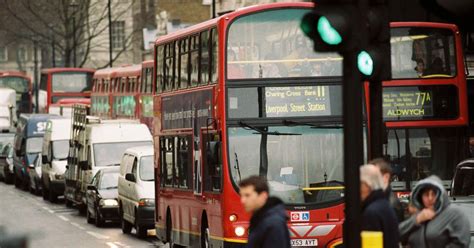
point(268, 228)
point(449, 228)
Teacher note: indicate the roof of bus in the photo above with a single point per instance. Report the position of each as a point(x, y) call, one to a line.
point(105, 73)
point(67, 69)
point(14, 74)
point(132, 70)
point(230, 15)
point(148, 63)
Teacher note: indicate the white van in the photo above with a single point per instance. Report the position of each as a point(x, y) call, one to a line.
point(7, 109)
point(55, 152)
point(136, 190)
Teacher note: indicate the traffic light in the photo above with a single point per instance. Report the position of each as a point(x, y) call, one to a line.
point(374, 59)
point(331, 26)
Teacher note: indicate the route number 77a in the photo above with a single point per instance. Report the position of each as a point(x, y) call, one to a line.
point(422, 98)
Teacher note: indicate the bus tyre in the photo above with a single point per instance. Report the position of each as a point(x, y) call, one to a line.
point(205, 236)
point(169, 230)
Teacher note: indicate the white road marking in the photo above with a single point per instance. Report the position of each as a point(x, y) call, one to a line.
point(97, 235)
point(121, 244)
point(63, 218)
point(49, 210)
point(112, 245)
point(77, 225)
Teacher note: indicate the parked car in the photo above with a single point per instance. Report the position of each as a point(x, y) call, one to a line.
point(54, 160)
point(6, 138)
point(136, 189)
point(6, 163)
point(34, 172)
point(462, 189)
point(101, 197)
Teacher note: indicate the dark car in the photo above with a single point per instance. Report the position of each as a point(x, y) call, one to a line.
point(6, 163)
point(28, 144)
point(101, 195)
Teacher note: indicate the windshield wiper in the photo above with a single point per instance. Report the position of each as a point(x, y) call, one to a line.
point(262, 130)
point(312, 125)
point(236, 166)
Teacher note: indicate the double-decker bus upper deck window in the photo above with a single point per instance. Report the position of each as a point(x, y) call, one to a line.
point(19, 84)
point(183, 64)
point(169, 67)
point(71, 81)
point(194, 60)
point(160, 58)
point(274, 47)
point(149, 80)
point(214, 55)
point(205, 69)
point(419, 52)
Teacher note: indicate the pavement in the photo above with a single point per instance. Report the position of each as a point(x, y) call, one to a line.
point(55, 225)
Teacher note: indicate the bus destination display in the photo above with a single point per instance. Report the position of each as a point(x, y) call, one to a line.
point(297, 101)
point(407, 103)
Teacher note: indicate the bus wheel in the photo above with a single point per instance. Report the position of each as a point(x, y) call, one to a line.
point(205, 234)
point(169, 230)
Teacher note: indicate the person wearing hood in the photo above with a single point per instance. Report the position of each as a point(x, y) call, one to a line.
point(386, 171)
point(437, 222)
point(377, 214)
point(268, 228)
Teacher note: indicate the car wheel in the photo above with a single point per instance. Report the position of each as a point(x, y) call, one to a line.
point(8, 178)
point(44, 192)
point(141, 230)
point(99, 222)
point(126, 226)
point(68, 202)
point(17, 181)
point(52, 197)
point(89, 218)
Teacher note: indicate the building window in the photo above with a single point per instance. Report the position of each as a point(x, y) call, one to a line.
point(118, 34)
point(3, 54)
point(22, 54)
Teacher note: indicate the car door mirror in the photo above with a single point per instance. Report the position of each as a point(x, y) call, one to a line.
point(91, 187)
point(130, 177)
point(45, 159)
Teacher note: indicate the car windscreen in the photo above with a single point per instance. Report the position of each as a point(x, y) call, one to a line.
point(60, 149)
point(147, 168)
point(106, 154)
point(34, 145)
point(109, 180)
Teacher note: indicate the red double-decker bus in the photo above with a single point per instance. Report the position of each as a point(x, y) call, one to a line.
point(21, 83)
point(244, 94)
point(425, 104)
point(124, 92)
point(59, 83)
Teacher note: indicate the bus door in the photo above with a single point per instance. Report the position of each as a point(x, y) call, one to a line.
point(197, 165)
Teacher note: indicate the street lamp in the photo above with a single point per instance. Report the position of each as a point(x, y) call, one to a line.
point(74, 5)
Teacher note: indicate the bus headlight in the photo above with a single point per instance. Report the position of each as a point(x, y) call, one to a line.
point(232, 218)
point(239, 231)
point(108, 202)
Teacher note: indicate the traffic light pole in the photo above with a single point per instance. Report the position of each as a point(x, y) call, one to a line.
point(353, 148)
point(376, 120)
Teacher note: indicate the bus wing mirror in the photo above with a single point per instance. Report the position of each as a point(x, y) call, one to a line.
point(213, 152)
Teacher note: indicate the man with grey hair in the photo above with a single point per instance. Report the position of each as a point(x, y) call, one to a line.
point(377, 214)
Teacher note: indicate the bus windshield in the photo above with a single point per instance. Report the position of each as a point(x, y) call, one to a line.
point(303, 164)
point(19, 84)
point(71, 82)
point(422, 53)
point(419, 153)
point(275, 47)
point(109, 154)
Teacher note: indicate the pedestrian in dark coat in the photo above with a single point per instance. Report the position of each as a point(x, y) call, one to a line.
point(377, 214)
point(268, 225)
point(386, 171)
point(437, 224)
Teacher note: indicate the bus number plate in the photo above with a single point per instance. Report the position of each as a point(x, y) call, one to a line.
point(304, 242)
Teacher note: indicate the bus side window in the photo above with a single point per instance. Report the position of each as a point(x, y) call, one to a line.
point(212, 162)
point(184, 168)
point(168, 161)
point(159, 69)
point(194, 60)
point(205, 70)
point(214, 55)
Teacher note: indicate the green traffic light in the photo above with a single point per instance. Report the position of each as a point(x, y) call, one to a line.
point(327, 32)
point(365, 63)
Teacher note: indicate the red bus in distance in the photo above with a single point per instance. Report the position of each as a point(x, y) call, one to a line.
point(59, 83)
point(22, 85)
point(425, 104)
point(124, 92)
point(244, 94)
